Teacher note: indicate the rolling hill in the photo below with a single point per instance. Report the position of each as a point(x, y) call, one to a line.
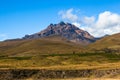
point(31, 47)
point(109, 42)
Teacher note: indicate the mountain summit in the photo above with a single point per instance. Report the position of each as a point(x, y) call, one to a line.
point(66, 30)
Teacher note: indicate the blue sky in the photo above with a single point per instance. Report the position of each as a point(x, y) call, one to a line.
point(20, 17)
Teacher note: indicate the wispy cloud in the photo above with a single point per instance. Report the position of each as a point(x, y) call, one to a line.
point(68, 15)
point(105, 23)
point(3, 37)
point(88, 20)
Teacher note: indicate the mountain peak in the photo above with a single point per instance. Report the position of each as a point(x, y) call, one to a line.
point(66, 30)
point(62, 23)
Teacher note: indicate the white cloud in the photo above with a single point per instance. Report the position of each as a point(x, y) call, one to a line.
point(105, 23)
point(108, 19)
point(68, 15)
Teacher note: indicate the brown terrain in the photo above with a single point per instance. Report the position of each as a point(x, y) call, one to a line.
point(60, 52)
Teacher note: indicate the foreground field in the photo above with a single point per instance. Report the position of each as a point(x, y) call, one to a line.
point(55, 66)
point(62, 61)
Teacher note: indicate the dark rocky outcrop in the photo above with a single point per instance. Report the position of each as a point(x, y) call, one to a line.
point(66, 30)
point(36, 74)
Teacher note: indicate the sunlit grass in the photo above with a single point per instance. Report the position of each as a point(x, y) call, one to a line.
point(62, 61)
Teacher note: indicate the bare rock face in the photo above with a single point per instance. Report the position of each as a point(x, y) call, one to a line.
point(66, 30)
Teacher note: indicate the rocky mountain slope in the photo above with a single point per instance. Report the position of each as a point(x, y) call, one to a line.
point(66, 30)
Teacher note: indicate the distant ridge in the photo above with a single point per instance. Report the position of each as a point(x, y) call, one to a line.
point(111, 41)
